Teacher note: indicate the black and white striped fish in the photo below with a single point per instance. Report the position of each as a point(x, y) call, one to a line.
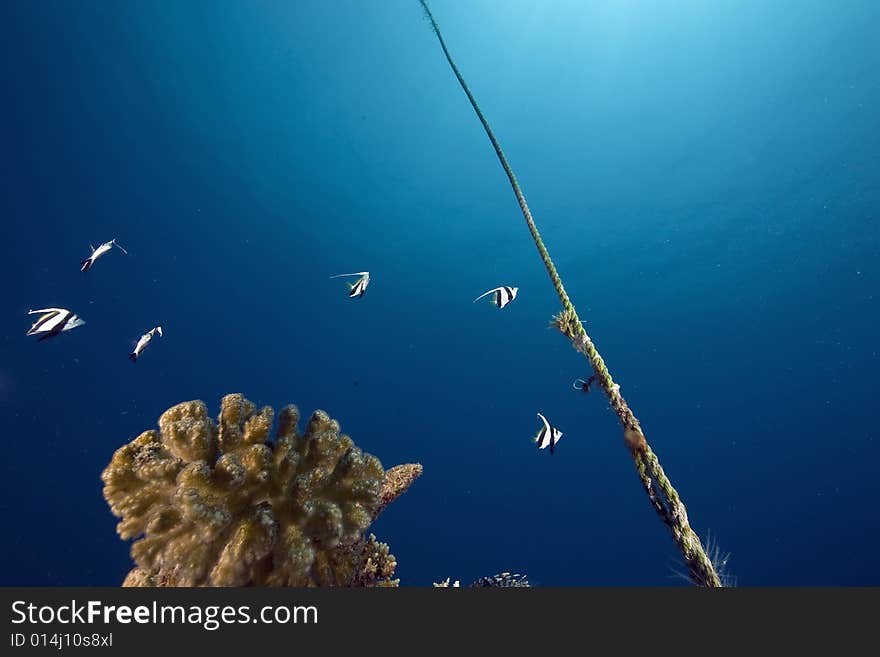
point(503, 295)
point(53, 322)
point(86, 264)
point(143, 343)
point(548, 436)
point(357, 288)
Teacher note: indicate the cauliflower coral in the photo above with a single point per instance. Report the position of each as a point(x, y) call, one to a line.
point(222, 504)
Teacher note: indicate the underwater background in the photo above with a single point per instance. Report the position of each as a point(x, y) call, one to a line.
point(704, 174)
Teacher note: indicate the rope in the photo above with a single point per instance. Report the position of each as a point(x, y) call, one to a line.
point(661, 494)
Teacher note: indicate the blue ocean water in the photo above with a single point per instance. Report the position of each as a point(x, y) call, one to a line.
point(705, 176)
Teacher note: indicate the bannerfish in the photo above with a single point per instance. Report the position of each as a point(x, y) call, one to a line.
point(584, 384)
point(357, 288)
point(548, 436)
point(86, 264)
point(503, 295)
point(143, 343)
point(53, 322)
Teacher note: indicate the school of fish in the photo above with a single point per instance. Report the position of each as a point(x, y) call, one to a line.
point(54, 321)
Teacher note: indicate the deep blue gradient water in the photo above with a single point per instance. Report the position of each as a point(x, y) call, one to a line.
point(705, 176)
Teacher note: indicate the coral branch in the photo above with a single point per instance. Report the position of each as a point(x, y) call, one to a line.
point(397, 480)
point(501, 580)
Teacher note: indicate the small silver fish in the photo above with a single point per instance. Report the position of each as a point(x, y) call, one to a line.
point(548, 436)
point(53, 322)
point(357, 288)
point(503, 295)
point(143, 343)
point(86, 264)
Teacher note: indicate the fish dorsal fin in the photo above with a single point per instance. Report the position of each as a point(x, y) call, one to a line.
point(357, 273)
point(544, 420)
point(495, 289)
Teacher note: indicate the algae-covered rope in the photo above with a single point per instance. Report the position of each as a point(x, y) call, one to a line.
point(663, 497)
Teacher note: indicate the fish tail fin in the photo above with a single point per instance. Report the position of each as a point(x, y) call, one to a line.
point(86, 264)
point(133, 357)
